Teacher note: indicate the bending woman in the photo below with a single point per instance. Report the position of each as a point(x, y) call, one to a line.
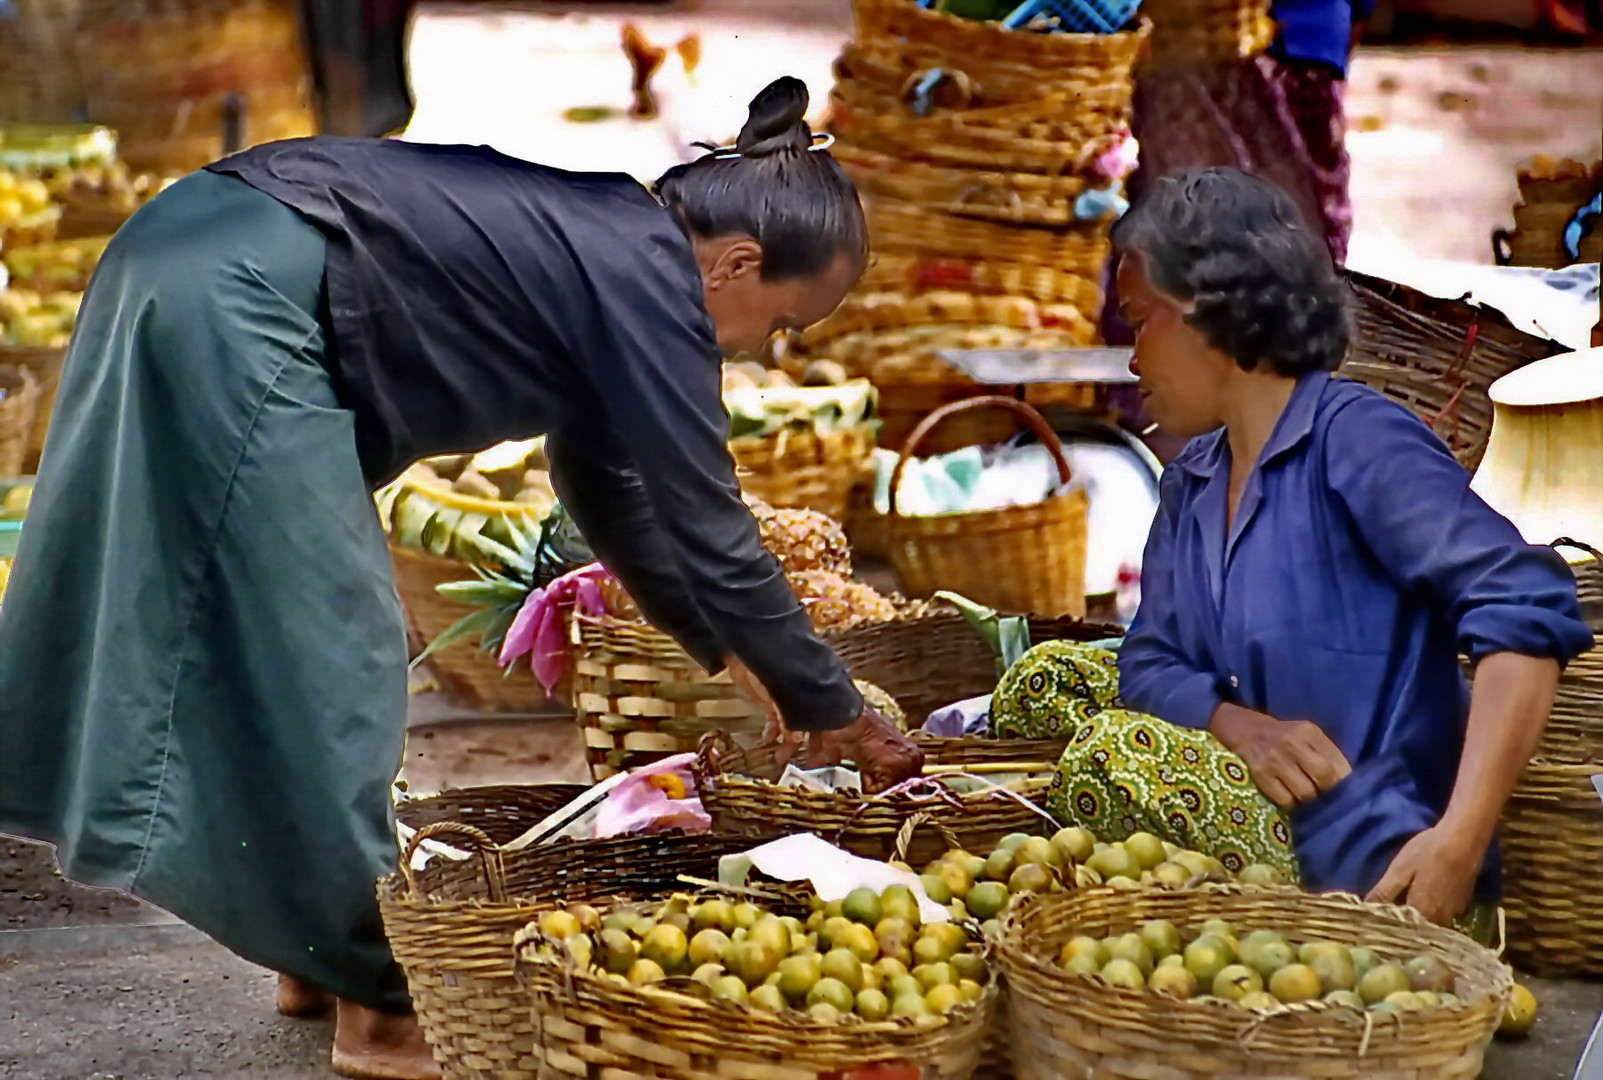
point(202, 656)
point(1317, 566)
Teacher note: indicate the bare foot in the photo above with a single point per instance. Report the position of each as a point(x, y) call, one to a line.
point(370, 1045)
point(301, 999)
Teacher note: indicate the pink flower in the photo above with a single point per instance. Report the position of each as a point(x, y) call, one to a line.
point(537, 630)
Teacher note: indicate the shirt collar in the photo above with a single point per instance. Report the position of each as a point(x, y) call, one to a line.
point(1204, 455)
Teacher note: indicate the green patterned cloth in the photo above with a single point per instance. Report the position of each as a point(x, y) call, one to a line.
point(1126, 772)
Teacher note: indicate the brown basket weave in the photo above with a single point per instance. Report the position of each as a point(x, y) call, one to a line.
point(503, 812)
point(640, 698)
point(591, 1026)
point(1066, 1025)
point(935, 659)
point(19, 405)
point(1019, 558)
point(804, 469)
point(1045, 284)
point(1438, 357)
point(1189, 33)
point(451, 927)
point(1548, 201)
point(44, 364)
point(39, 81)
point(907, 228)
point(1552, 839)
point(463, 670)
point(1588, 582)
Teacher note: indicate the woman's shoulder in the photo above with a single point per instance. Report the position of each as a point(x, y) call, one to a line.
point(1350, 410)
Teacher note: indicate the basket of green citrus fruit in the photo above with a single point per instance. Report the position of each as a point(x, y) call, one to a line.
point(1243, 981)
point(732, 989)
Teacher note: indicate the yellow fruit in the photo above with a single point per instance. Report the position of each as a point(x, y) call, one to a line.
point(1259, 874)
point(1222, 930)
point(1429, 973)
point(1030, 878)
point(1295, 982)
point(1206, 957)
point(559, 924)
point(1406, 1000)
point(972, 865)
point(1133, 948)
point(1335, 970)
point(843, 966)
point(1000, 865)
point(823, 1013)
point(770, 931)
point(832, 992)
point(930, 976)
point(1162, 938)
point(1269, 957)
point(1364, 961)
point(589, 918)
point(798, 975)
point(708, 947)
point(1519, 1016)
point(767, 998)
point(899, 904)
point(1013, 841)
point(714, 915)
point(1196, 862)
point(872, 980)
point(872, 1005)
point(943, 999)
point(861, 906)
point(646, 971)
point(1083, 964)
point(1074, 844)
point(1259, 1001)
point(1125, 974)
point(746, 915)
point(708, 973)
point(889, 968)
point(935, 888)
point(970, 966)
point(951, 934)
point(1174, 981)
point(1084, 946)
point(1236, 982)
point(1038, 851)
point(991, 929)
point(987, 899)
point(753, 961)
point(902, 986)
point(1146, 848)
point(16, 500)
point(1428, 999)
point(1382, 982)
point(1170, 874)
point(1346, 999)
point(911, 1007)
point(581, 949)
point(958, 881)
point(618, 951)
point(833, 932)
point(861, 941)
point(666, 947)
point(1115, 862)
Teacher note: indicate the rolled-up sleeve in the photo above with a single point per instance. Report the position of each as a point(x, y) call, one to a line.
point(1412, 503)
point(1155, 676)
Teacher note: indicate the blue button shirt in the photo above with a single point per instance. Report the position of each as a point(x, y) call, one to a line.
point(1358, 567)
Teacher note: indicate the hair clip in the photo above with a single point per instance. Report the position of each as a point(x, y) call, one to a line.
point(822, 140)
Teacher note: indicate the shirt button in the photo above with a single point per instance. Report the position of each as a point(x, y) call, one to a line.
point(1235, 682)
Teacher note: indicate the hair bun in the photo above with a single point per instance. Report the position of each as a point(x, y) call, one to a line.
point(774, 121)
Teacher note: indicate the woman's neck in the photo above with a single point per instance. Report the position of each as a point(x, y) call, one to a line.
point(1254, 410)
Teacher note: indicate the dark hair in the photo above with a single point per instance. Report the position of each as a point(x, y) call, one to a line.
point(1261, 284)
point(797, 202)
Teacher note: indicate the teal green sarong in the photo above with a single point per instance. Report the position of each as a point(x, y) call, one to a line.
point(202, 657)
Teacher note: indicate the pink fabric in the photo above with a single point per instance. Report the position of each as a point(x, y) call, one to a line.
point(538, 629)
point(1119, 161)
point(642, 803)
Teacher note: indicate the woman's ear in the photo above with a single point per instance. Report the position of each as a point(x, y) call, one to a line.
point(732, 260)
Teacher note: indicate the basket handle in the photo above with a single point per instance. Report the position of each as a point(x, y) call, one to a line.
point(491, 863)
point(1579, 545)
point(1502, 247)
point(1032, 420)
point(904, 835)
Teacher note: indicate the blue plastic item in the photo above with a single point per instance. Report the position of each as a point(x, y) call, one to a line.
point(1075, 16)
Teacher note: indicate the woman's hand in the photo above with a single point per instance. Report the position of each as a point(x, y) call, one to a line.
point(753, 688)
point(1434, 873)
point(1292, 761)
point(884, 756)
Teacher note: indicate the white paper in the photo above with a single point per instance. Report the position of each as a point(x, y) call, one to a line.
point(832, 872)
point(829, 778)
point(1597, 782)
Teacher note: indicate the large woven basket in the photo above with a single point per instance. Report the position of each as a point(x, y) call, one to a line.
point(451, 927)
point(1019, 558)
point(804, 469)
point(44, 364)
point(1066, 1025)
point(903, 227)
point(1438, 357)
point(19, 405)
point(1190, 33)
point(1588, 583)
point(1550, 195)
point(503, 812)
point(1041, 282)
point(640, 698)
point(591, 1026)
point(39, 80)
point(463, 670)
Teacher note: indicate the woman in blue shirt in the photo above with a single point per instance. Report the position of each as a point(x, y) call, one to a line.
point(1317, 566)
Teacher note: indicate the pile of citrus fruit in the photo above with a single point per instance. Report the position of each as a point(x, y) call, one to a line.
point(869, 955)
point(1263, 970)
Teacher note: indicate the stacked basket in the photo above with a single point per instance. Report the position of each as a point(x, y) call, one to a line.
point(971, 144)
point(1551, 193)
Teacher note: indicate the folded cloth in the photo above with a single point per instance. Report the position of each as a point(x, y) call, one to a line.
point(969, 717)
point(538, 628)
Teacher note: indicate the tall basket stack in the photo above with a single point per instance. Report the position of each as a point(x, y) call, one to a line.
point(986, 158)
point(1552, 194)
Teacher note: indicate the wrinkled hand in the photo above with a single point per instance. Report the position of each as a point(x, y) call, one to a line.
point(1291, 761)
point(753, 688)
point(883, 755)
point(1434, 873)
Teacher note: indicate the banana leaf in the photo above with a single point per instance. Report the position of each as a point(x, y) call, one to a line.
point(1008, 636)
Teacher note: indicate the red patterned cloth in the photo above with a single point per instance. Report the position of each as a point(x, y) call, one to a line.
point(1278, 119)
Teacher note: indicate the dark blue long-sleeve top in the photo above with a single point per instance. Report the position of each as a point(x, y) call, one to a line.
point(1320, 31)
point(1358, 568)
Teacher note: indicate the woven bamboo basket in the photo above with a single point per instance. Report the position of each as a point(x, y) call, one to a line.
point(907, 228)
point(590, 1025)
point(1552, 840)
point(1549, 195)
point(1588, 582)
point(1066, 1025)
point(19, 404)
point(865, 312)
point(640, 698)
point(39, 81)
point(503, 812)
point(931, 660)
point(463, 670)
point(44, 364)
point(86, 217)
point(1045, 200)
point(893, 273)
point(1188, 33)
point(1438, 357)
point(804, 469)
point(1019, 558)
point(451, 927)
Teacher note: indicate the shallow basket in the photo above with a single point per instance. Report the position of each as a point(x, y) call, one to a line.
point(1019, 558)
point(451, 927)
point(591, 1026)
point(503, 812)
point(1438, 357)
point(804, 469)
point(19, 406)
point(1074, 1026)
point(639, 697)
